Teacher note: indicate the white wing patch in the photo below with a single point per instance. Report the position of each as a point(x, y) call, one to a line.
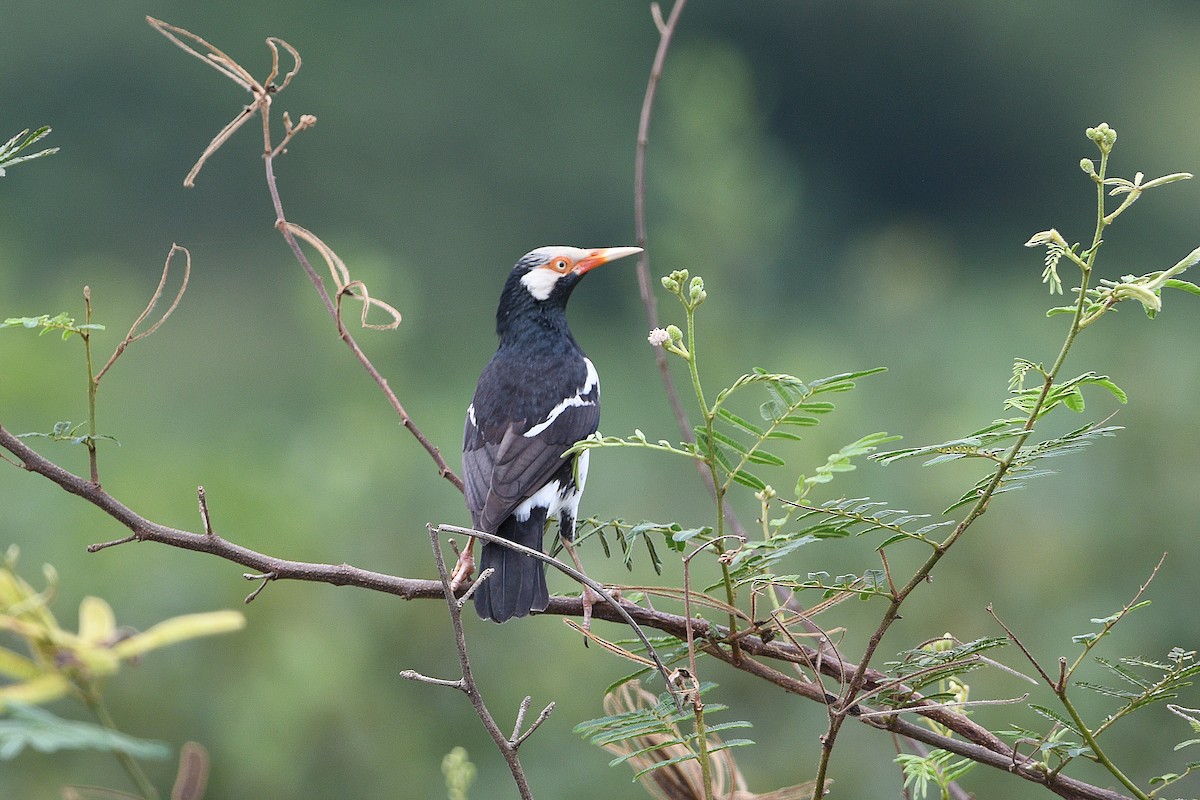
point(547, 497)
point(556, 500)
point(590, 382)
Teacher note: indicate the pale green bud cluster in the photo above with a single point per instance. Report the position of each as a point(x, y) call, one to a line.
point(1104, 137)
point(693, 295)
point(674, 282)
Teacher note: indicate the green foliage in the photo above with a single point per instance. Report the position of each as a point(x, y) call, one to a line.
point(459, 773)
point(937, 770)
point(756, 561)
point(1167, 679)
point(674, 535)
point(64, 431)
point(56, 661)
point(657, 728)
point(1068, 393)
point(734, 447)
point(25, 726)
point(52, 662)
point(62, 322)
point(10, 150)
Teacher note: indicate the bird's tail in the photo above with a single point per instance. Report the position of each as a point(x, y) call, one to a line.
point(518, 583)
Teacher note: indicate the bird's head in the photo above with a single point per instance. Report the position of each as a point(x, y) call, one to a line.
point(542, 279)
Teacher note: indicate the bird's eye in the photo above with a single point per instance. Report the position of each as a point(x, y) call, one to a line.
point(560, 264)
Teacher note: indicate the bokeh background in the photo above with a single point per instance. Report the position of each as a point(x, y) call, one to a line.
point(853, 179)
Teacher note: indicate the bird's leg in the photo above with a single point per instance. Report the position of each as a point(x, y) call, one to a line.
point(464, 567)
point(589, 597)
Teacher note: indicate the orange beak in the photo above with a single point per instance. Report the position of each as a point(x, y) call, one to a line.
point(602, 256)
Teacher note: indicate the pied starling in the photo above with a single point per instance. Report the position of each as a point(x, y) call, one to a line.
point(537, 397)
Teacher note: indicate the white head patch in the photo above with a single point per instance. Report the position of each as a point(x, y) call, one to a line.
point(539, 281)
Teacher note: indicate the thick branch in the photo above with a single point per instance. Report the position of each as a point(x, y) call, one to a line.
point(147, 530)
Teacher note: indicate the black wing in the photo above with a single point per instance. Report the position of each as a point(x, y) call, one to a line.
point(506, 460)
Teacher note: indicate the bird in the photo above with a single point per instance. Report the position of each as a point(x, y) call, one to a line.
point(538, 395)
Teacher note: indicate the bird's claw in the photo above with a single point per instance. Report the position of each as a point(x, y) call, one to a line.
point(590, 597)
point(464, 568)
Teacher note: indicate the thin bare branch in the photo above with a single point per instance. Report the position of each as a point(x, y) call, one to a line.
point(222, 136)
point(413, 675)
point(1012, 637)
point(265, 578)
point(537, 723)
point(285, 228)
point(204, 517)
point(507, 748)
point(666, 30)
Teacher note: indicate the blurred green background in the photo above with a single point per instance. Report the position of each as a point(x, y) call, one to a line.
point(854, 181)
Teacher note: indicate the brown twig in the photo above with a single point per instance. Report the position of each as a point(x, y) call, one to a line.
point(262, 94)
point(204, 517)
point(508, 747)
point(666, 30)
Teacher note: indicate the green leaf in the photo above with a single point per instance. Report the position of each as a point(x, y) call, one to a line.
point(1124, 673)
point(726, 440)
point(799, 420)
point(737, 421)
point(30, 726)
point(1108, 691)
point(1190, 288)
point(687, 535)
point(1073, 400)
point(763, 457)
point(748, 479)
point(844, 378)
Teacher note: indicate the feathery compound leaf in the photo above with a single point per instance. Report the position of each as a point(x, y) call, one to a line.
point(1056, 717)
point(787, 397)
point(843, 382)
point(1123, 672)
point(10, 149)
point(647, 734)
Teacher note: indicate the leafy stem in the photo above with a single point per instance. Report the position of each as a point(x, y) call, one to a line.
point(92, 698)
point(691, 300)
point(1104, 138)
point(1090, 738)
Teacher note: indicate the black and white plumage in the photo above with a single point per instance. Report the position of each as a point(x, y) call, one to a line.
point(537, 396)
